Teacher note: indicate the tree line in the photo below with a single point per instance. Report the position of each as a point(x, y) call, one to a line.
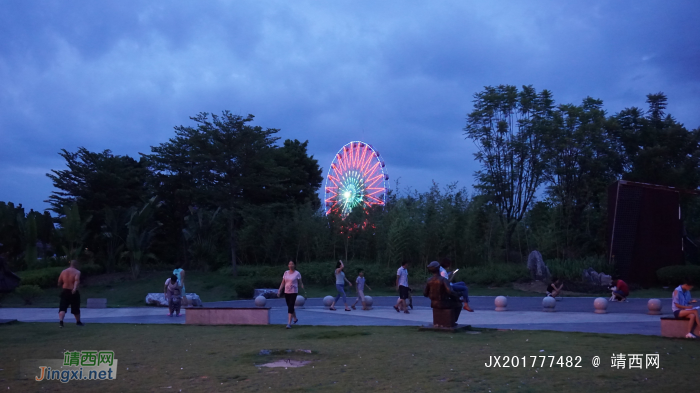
point(226, 192)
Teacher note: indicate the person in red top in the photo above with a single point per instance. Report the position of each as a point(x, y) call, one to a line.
point(620, 291)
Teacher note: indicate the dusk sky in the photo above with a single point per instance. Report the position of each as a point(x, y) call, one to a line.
point(399, 75)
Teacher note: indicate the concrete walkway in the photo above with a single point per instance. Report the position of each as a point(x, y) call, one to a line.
point(572, 314)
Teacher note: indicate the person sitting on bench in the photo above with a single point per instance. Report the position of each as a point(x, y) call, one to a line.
point(553, 290)
point(443, 299)
point(459, 287)
point(681, 306)
point(620, 291)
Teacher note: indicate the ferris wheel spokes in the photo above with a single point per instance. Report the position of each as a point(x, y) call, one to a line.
point(356, 177)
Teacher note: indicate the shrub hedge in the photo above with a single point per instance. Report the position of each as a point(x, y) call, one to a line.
point(244, 289)
point(674, 275)
point(572, 269)
point(495, 274)
point(44, 278)
point(28, 292)
point(48, 277)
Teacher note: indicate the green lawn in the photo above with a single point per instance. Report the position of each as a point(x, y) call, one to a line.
point(170, 358)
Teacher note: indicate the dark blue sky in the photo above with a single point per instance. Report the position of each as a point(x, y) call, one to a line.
point(400, 75)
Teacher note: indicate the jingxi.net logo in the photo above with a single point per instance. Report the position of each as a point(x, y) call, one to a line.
point(86, 365)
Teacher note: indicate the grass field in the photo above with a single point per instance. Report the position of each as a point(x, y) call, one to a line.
point(173, 358)
point(121, 291)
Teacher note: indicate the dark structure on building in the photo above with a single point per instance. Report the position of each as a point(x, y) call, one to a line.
point(645, 229)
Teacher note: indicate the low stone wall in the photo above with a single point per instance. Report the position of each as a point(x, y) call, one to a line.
point(676, 327)
point(227, 316)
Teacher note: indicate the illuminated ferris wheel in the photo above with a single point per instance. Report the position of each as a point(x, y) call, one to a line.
point(356, 177)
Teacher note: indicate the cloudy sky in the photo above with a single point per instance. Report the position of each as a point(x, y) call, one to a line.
point(399, 75)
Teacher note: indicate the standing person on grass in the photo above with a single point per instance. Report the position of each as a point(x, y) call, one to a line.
point(340, 281)
point(291, 281)
point(68, 281)
point(360, 281)
point(402, 286)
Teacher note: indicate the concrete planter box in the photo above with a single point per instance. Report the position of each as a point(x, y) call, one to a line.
point(227, 316)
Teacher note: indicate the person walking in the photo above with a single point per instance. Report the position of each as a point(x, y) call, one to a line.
point(68, 281)
point(340, 281)
point(291, 281)
point(360, 288)
point(402, 286)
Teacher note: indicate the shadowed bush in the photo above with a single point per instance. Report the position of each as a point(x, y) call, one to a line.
point(244, 289)
point(48, 277)
point(494, 274)
point(674, 275)
point(572, 269)
point(28, 293)
point(44, 278)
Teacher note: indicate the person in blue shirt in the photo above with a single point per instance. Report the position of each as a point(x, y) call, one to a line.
point(340, 281)
point(458, 287)
point(360, 287)
point(681, 306)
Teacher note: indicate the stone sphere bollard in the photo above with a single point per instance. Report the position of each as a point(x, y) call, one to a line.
point(260, 301)
point(368, 301)
point(300, 301)
point(328, 300)
point(601, 305)
point(501, 303)
point(548, 304)
point(654, 306)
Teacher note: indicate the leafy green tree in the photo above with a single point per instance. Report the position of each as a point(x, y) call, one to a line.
point(658, 149)
point(30, 251)
point(584, 160)
point(114, 233)
point(10, 229)
point(200, 233)
point(96, 182)
point(511, 130)
point(226, 163)
point(399, 238)
point(300, 175)
point(73, 231)
point(141, 228)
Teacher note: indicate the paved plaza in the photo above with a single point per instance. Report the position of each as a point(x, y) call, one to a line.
point(524, 313)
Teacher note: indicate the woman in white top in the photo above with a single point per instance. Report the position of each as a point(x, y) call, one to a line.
point(291, 281)
point(340, 281)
